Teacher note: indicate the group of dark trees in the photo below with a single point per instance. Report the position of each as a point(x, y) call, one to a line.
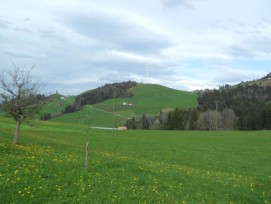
point(48, 116)
point(251, 104)
point(173, 120)
point(191, 119)
point(242, 107)
point(108, 91)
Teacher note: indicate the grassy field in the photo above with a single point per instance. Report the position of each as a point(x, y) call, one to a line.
point(133, 166)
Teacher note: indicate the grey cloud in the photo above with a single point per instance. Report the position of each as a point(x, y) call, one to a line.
point(239, 51)
point(241, 27)
point(230, 76)
point(174, 3)
point(247, 32)
point(119, 69)
point(114, 32)
point(23, 29)
point(177, 3)
point(46, 33)
point(138, 73)
point(27, 19)
point(70, 89)
point(250, 47)
point(5, 24)
point(22, 54)
point(261, 44)
point(50, 34)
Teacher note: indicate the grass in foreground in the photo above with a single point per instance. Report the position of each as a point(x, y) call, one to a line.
point(133, 166)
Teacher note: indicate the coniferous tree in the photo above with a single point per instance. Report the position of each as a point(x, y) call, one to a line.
point(176, 120)
point(145, 122)
point(193, 119)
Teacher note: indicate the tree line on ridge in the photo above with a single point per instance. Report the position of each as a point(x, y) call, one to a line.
point(242, 107)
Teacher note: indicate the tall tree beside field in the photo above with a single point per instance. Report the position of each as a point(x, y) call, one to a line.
point(229, 118)
point(145, 122)
point(163, 120)
point(19, 97)
point(193, 119)
point(175, 121)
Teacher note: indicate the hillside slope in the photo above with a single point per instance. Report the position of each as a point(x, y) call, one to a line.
point(147, 98)
point(152, 98)
point(55, 105)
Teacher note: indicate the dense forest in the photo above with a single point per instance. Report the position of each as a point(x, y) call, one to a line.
point(241, 107)
point(251, 104)
point(108, 91)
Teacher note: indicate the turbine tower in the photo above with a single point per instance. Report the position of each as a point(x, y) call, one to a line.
point(147, 72)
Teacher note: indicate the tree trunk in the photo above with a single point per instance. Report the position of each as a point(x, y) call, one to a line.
point(17, 130)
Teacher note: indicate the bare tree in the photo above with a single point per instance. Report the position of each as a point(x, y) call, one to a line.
point(229, 117)
point(19, 96)
point(210, 120)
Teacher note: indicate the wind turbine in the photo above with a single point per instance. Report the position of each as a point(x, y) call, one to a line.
point(147, 70)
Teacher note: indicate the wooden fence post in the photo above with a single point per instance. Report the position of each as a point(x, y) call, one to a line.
point(86, 162)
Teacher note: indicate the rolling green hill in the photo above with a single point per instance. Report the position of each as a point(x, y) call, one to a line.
point(147, 98)
point(55, 105)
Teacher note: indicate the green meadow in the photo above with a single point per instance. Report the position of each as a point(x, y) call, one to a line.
point(148, 98)
point(48, 166)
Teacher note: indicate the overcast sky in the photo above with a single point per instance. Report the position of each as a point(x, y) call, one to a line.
point(77, 45)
